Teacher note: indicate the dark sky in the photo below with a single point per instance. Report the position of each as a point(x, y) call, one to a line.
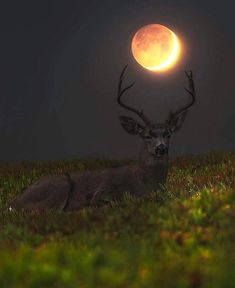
point(60, 63)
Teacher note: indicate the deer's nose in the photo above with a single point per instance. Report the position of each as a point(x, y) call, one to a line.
point(161, 149)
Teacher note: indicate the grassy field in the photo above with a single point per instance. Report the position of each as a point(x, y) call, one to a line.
point(181, 237)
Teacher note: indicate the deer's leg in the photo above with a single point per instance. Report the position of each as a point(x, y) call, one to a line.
point(70, 192)
point(49, 192)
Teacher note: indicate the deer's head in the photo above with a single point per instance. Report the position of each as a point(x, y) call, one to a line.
point(156, 136)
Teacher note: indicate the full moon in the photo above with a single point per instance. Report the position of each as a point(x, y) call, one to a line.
point(155, 47)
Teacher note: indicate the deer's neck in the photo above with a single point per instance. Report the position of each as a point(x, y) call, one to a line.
point(154, 169)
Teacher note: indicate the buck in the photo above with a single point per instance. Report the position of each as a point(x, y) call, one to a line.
point(77, 190)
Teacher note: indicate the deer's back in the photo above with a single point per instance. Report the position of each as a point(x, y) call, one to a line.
point(99, 187)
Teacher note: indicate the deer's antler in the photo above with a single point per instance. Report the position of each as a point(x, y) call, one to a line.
point(191, 91)
point(121, 91)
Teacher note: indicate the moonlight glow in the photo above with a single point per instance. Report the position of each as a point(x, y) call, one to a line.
point(155, 47)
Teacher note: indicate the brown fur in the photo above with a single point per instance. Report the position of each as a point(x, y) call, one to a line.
point(90, 188)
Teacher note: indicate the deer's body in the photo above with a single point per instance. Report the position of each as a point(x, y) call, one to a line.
point(77, 190)
point(91, 188)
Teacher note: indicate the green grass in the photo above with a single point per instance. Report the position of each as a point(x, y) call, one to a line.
point(181, 237)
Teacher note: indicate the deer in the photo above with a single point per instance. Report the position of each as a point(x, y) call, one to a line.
point(77, 190)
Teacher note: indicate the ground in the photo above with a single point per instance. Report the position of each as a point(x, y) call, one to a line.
point(180, 237)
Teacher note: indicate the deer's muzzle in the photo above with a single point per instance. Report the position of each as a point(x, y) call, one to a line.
point(161, 150)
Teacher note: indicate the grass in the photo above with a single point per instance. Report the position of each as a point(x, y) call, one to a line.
point(181, 237)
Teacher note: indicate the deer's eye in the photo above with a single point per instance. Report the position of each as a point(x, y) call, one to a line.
point(166, 134)
point(148, 137)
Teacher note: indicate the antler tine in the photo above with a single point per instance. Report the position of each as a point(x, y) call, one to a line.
point(121, 91)
point(191, 91)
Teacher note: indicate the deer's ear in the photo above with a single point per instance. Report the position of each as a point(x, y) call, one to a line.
point(130, 125)
point(177, 122)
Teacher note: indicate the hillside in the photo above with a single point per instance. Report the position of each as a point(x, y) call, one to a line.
point(181, 237)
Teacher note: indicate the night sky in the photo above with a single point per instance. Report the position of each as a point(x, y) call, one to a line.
point(60, 64)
